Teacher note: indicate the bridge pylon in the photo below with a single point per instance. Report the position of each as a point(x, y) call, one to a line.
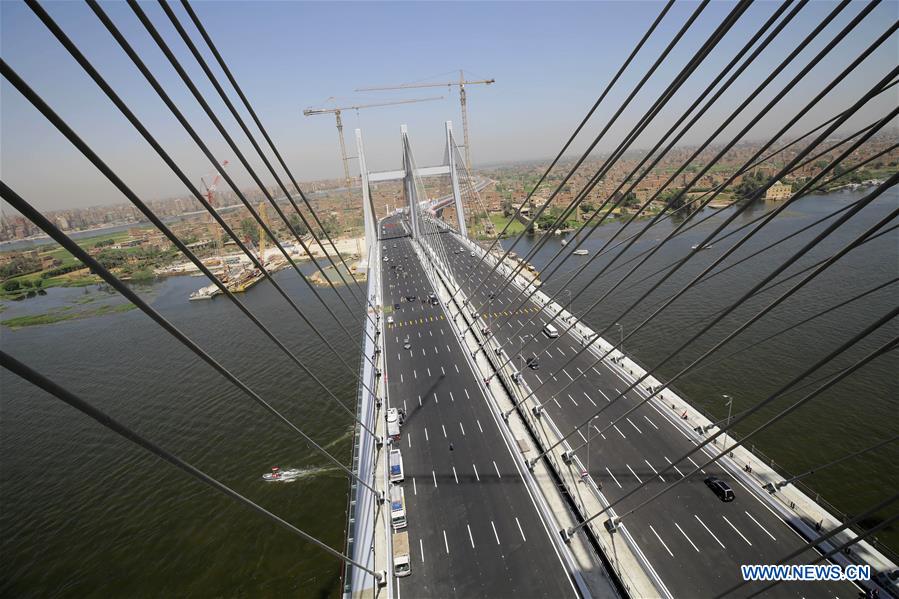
point(368, 210)
point(407, 174)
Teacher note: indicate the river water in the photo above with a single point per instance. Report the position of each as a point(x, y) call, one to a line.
point(84, 513)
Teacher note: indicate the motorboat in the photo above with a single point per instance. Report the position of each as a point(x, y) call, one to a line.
point(707, 246)
point(283, 476)
point(580, 252)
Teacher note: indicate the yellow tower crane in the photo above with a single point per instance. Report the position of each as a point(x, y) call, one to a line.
point(336, 112)
point(462, 82)
point(263, 216)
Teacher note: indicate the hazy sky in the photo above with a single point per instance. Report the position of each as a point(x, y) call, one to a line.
point(550, 60)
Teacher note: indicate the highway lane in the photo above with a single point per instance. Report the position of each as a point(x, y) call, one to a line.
point(473, 529)
point(695, 541)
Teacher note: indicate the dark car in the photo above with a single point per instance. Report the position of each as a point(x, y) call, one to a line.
point(433, 299)
point(533, 363)
point(720, 488)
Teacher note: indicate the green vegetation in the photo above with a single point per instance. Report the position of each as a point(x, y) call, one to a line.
point(62, 314)
point(750, 185)
point(250, 230)
point(23, 276)
point(297, 225)
point(878, 170)
point(499, 221)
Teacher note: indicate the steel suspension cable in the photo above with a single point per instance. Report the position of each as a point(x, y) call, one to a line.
point(700, 278)
point(588, 188)
point(734, 140)
point(69, 398)
point(760, 217)
point(718, 188)
point(786, 168)
point(846, 249)
point(688, 204)
point(28, 211)
point(185, 78)
point(625, 144)
point(770, 246)
point(796, 389)
point(609, 124)
point(845, 546)
point(721, 314)
point(883, 349)
point(768, 217)
point(816, 542)
point(206, 37)
point(796, 325)
point(92, 157)
point(773, 285)
point(92, 72)
point(240, 121)
point(580, 126)
point(135, 58)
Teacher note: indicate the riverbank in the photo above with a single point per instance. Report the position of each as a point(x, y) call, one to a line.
point(63, 314)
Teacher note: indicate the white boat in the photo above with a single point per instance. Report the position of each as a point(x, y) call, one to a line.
point(580, 252)
point(564, 242)
point(707, 246)
point(277, 475)
point(204, 293)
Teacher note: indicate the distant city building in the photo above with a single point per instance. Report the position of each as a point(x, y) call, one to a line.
point(779, 191)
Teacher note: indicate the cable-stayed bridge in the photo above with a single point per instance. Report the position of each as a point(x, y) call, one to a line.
point(538, 457)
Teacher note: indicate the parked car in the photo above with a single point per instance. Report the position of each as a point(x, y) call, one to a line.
point(720, 488)
point(390, 320)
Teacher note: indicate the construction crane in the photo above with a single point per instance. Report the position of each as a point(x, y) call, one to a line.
point(462, 82)
point(336, 112)
point(211, 187)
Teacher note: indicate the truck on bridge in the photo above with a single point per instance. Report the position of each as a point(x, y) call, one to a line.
point(397, 508)
point(393, 425)
point(396, 466)
point(402, 564)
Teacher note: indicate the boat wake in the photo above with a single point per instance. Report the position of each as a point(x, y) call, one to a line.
point(289, 475)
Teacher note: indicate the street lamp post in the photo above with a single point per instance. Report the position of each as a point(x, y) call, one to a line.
point(621, 336)
point(730, 405)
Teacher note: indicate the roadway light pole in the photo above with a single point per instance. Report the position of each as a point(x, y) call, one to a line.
point(621, 337)
point(730, 405)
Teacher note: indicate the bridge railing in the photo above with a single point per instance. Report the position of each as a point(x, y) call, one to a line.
point(361, 526)
point(350, 528)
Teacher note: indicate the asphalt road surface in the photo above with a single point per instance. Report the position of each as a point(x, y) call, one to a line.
point(695, 541)
point(474, 530)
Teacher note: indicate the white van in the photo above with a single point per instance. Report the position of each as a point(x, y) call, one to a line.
point(397, 508)
point(550, 331)
point(395, 458)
